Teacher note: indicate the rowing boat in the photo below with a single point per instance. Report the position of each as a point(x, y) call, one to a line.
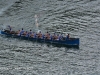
point(71, 42)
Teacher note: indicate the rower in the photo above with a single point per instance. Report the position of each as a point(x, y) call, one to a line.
point(46, 35)
point(43, 36)
point(27, 34)
point(35, 35)
point(54, 36)
point(10, 30)
point(67, 37)
point(22, 31)
point(18, 32)
point(60, 37)
point(40, 35)
point(30, 32)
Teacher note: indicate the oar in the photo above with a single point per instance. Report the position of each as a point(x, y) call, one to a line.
point(36, 22)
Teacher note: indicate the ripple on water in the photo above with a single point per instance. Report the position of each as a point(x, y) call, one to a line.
point(79, 18)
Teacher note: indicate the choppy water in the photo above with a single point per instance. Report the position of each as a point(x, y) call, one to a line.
point(80, 18)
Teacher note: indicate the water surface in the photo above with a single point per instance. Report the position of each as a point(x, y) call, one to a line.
point(80, 18)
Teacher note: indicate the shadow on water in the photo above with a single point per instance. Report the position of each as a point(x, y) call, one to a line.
point(65, 46)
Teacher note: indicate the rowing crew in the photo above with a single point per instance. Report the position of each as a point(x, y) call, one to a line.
point(31, 34)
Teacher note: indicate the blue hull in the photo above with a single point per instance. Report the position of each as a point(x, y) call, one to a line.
point(72, 42)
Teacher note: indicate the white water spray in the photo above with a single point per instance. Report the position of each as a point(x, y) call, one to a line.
point(36, 23)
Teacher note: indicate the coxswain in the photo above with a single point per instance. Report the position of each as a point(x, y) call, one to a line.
point(9, 29)
point(50, 37)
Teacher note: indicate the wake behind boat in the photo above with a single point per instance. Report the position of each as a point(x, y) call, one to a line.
point(54, 39)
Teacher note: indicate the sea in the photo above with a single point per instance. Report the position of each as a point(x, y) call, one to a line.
point(79, 18)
